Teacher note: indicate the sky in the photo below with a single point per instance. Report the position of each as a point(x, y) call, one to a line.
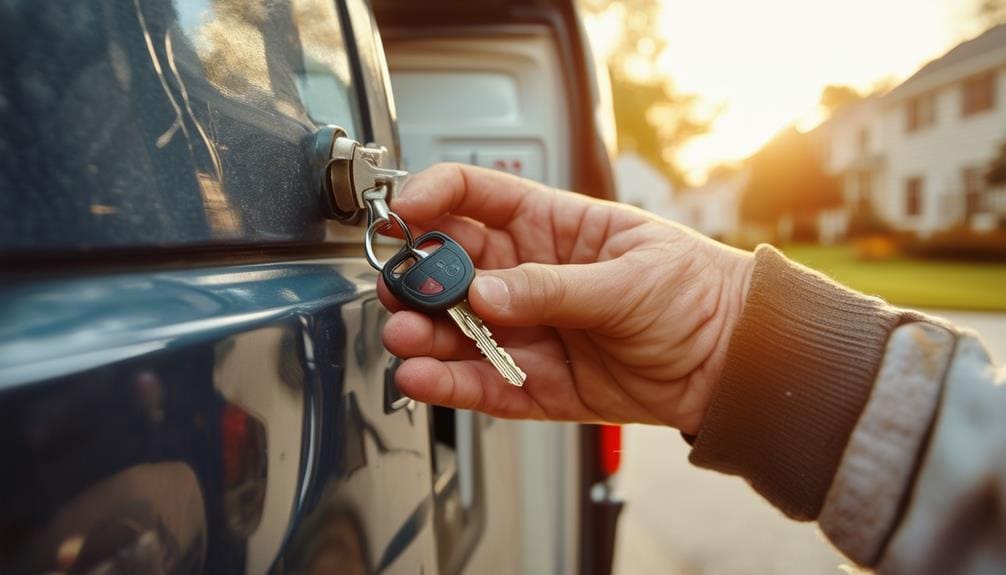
point(762, 64)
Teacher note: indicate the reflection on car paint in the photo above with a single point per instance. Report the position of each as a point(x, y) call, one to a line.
point(384, 469)
point(220, 410)
point(147, 518)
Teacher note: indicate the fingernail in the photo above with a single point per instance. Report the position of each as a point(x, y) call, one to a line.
point(493, 291)
point(408, 193)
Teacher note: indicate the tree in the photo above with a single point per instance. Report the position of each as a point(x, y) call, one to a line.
point(992, 12)
point(835, 97)
point(787, 179)
point(653, 118)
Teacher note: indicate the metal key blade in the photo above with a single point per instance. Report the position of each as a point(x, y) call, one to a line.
point(473, 327)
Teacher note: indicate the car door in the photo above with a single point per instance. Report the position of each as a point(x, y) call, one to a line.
point(191, 373)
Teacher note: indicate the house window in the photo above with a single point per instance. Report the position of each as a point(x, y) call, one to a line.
point(979, 94)
point(921, 112)
point(863, 140)
point(974, 189)
point(696, 217)
point(913, 196)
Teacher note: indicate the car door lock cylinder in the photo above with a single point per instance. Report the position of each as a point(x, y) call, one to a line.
point(353, 177)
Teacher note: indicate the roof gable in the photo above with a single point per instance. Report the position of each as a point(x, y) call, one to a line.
point(956, 63)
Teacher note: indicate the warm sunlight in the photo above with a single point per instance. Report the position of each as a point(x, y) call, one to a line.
point(763, 64)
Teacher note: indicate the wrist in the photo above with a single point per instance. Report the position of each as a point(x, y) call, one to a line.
point(736, 268)
point(800, 366)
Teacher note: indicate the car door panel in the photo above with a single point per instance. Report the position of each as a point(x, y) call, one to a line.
point(242, 388)
point(191, 373)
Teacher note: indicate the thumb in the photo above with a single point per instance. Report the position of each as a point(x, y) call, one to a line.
point(574, 296)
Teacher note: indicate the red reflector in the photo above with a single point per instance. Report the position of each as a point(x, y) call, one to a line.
point(430, 287)
point(234, 427)
point(610, 449)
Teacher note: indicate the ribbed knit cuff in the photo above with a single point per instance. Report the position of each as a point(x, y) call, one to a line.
point(799, 369)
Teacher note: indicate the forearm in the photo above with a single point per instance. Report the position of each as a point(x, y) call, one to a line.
point(827, 405)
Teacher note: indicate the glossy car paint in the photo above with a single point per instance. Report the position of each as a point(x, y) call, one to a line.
point(163, 406)
point(147, 366)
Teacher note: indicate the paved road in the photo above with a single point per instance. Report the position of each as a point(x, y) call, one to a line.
point(683, 520)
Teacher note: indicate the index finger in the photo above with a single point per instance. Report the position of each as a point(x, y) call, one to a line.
point(490, 196)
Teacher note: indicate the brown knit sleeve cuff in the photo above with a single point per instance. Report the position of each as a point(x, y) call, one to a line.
point(799, 369)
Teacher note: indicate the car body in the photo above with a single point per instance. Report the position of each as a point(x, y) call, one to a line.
point(192, 378)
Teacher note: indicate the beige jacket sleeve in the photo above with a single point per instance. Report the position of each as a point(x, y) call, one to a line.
point(885, 426)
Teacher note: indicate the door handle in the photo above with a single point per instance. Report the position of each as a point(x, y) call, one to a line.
point(394, 399)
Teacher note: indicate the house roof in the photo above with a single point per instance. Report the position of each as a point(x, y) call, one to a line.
point(988, 48)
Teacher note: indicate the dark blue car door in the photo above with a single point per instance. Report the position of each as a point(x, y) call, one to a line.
point(192, 378)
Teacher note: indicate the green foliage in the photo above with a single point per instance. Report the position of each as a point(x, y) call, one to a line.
point(787, 178)
point(959, 243)
point(864, 222)
point(653, 118)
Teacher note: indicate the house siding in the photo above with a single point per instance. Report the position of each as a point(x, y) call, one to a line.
point(938, 154)
point(849, 160)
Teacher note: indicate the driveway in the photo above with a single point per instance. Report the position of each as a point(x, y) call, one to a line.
point(680, 519)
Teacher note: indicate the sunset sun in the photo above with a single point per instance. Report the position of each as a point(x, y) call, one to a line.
point(759, 66)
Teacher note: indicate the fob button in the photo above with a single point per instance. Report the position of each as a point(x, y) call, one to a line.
point(430, 287)
point(447, 270)
point(449, 264)
point(414, 279)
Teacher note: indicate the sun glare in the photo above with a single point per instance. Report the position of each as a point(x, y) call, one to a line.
point(763, 64)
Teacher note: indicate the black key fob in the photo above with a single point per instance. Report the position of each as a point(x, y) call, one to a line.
point(433, 283)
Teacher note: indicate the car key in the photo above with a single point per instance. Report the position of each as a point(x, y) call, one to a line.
point(438, 281)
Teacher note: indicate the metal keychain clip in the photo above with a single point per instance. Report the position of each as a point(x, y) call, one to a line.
point(352, 177)
point(355, 180)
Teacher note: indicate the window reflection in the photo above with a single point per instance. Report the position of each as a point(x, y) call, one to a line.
point(228, 37)
point(325, 81)
point(288, 54)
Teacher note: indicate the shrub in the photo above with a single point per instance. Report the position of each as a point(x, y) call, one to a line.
point(865, 222)
point(958, 244)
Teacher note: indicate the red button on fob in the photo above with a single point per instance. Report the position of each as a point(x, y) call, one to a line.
point(430, 287)
point(435, 281)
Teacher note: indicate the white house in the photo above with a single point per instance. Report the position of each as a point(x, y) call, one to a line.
point(944, 126)
point(641, 185)
point(713, 208)
point(856, 150)
point(919, 154)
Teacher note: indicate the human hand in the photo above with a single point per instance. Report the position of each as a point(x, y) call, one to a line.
point(616, 315)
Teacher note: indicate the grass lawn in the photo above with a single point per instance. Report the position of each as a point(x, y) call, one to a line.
point(910, 282)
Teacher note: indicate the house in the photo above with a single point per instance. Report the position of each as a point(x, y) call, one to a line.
point(640, 184)
point(917, 156)
point(856, 149)
point(944, 126)
point(714, 207)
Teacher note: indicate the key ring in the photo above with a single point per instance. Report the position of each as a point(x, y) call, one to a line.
point(383, 223)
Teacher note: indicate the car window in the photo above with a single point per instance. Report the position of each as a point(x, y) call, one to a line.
point(157, 124)
point(231, 40)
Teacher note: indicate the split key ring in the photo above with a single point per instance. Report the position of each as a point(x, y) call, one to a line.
point(383, 224)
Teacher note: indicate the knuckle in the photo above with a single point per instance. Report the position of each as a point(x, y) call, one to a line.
point(453, 170)
point(552, 290)
point(531, 288)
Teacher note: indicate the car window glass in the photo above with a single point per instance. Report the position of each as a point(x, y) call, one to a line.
point(325, 84)
point(231, 39)
point(168, 124)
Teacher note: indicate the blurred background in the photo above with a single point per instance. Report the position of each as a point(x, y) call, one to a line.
point(865, 139)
